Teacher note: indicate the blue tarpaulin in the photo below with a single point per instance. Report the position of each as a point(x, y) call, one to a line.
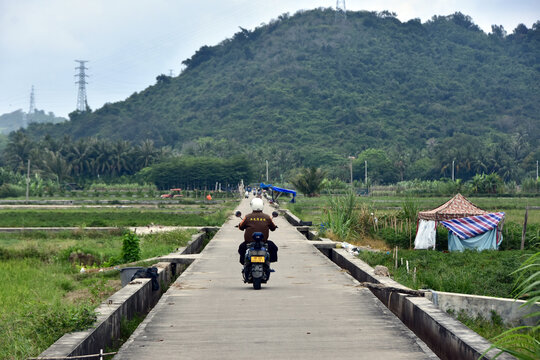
point(279, 190)
point(485, 241)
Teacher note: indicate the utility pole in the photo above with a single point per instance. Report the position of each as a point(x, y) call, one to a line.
point(452, 170)
point(171, 73)
point(350, 168)
point(267, 171)
point(536, 170)
point(82, 102)
point(365, 173)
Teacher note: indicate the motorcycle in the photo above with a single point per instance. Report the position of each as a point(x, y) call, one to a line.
point(257, 269)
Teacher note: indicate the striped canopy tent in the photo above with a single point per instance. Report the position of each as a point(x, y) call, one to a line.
point(455, 208)
point(469, 227)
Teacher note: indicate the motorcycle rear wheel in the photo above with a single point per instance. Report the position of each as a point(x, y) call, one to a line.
point(257, 283)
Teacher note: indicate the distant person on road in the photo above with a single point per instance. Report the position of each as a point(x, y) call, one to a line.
point(257, 221)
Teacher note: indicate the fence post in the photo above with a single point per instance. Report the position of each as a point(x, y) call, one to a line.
point(524, 228)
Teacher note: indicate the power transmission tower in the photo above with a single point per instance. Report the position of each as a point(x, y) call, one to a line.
point(171, 74)
point(32, 107)
point(27, 118)
point(82, 103)
point(341, 10)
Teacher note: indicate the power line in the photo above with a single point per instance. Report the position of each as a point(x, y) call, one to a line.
point(82, 103)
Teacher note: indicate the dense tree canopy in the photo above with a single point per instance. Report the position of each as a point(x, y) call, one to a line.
point(199, 172)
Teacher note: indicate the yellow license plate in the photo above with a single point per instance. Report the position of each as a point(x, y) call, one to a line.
point(257, 259)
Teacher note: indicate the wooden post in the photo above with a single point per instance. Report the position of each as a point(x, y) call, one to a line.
point(28, 181)
point(409, 226)
point(524, 228)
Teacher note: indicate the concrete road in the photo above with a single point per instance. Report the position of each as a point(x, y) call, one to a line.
point(309, 309)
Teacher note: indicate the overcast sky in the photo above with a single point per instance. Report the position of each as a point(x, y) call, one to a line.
point(129, 42)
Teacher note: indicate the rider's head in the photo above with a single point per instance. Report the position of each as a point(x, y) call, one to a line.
point(256, 204)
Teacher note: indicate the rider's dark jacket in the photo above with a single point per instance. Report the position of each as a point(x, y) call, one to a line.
point(257, 221)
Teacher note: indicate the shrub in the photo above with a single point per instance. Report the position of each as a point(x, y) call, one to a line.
point(394, 238)
point(131, 250)
point(512, 233)
point(10, 190)
point(531, 186)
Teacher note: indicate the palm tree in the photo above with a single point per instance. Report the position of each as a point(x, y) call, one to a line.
point(18, 151)
point(54, 164)
point(309, 181)
point(146, 153)
point(78, 156)
point(120, 158)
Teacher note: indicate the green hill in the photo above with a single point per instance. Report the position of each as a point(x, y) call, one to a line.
point(18, 119)
point(309, 90)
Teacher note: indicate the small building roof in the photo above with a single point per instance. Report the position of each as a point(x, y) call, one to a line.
point(455, 208)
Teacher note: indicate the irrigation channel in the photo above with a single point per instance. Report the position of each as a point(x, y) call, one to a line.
point(310, 309)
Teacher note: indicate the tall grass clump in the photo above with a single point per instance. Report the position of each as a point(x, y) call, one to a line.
point(341, 217)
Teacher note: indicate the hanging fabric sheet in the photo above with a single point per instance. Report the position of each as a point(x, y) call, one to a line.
point(490, 240)
point(425, 237)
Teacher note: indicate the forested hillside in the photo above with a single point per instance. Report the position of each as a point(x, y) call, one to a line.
point(14, 120)
point(310, 90)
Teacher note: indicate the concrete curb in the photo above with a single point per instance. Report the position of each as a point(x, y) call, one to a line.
point(291, 218)
point(510, 310)
point(447, 337)
point(135, 298)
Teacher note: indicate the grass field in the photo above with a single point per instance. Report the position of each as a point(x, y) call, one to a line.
point(485, 273)
point(91, 217)
point(45, 295)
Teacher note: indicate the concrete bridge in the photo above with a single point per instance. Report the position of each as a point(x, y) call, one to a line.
point(310, 309)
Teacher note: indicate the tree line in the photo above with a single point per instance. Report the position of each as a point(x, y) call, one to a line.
point(86, 161)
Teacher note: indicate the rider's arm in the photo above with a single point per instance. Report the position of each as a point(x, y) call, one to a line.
point(242, 225)
point(271, 225)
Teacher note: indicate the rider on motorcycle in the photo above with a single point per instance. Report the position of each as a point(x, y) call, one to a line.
point(257, 221)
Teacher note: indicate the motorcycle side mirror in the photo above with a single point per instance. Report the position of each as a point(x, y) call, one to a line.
point(275, 214)
point(238, 214)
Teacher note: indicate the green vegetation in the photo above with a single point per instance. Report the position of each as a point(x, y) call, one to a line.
point(131, 250)
point(198, 172)
point(89, 217)
point(488, 273)
point(351, 218)
point(487, 328)
point(13, 121)
point(309, 181)
point(46, 295)
point(523, 342)
point(305, 90)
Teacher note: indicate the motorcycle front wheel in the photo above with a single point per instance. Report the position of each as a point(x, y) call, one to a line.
point(257, 283)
